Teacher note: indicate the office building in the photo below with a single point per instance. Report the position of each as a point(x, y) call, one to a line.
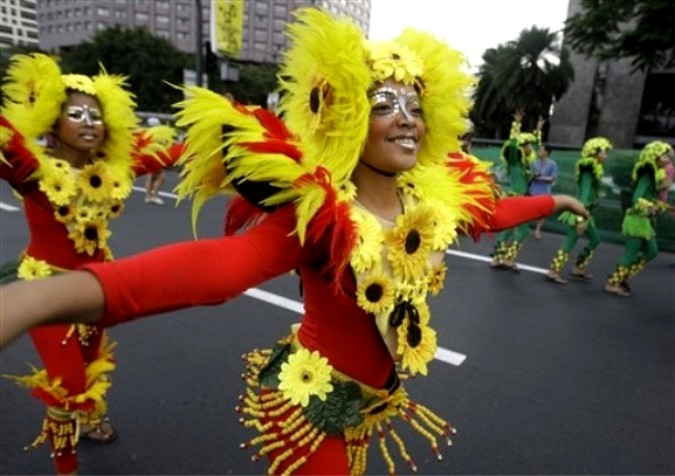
point(66, 23)
point(18, 23)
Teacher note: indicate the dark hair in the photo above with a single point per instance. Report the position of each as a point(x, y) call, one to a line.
point(547, 148)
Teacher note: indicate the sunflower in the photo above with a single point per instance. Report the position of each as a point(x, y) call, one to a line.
point(64, 213)
point(59, 188)
point(115, 208)
point(346, 192)
point(95, 182)
point(410, 243)
point(84, 214)
point(89, 236)
point(60, 165)
point(417, 343)
point(389, 59)
point(376, 293)
point(31, 268)
point(305, 374)
point(436, 278)
point(368, 249)
point(445, 230)
point(120, 185)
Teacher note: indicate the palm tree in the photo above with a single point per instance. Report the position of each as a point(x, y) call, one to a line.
point(530, 73)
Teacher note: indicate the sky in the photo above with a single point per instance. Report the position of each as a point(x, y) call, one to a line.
point(470, 26)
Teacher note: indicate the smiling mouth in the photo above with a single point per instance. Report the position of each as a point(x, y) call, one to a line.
point(406, 142)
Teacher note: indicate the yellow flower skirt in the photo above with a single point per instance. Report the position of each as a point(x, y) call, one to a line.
point(289, 433)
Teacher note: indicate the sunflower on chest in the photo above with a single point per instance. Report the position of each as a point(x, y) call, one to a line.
point(84, 200)
point(397, 264)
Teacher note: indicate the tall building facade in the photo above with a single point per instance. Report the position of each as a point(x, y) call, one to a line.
point(18, 23)
point(609, 99)
point(64, 24)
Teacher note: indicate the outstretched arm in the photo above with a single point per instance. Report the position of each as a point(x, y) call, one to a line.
point(513, 211)
point(177, 276)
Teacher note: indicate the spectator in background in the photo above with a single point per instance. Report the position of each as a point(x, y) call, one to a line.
point(544, 173)
point(155, 180)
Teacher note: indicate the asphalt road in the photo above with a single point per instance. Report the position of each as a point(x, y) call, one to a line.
point(538, 378)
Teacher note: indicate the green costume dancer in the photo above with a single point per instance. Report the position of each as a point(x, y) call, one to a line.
point(518, 153)
point(648, 175)
point(589, 173)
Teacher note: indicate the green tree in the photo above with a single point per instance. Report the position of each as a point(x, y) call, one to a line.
point(529, 73)
point(643, 30)
point(150, 62)
point(255, 81)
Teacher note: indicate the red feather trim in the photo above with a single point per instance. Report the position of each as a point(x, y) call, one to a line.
point(275, 127)
point(22, 160)
point(273, 147)
point(482, 195)
point(333, 223)
point(240, 214)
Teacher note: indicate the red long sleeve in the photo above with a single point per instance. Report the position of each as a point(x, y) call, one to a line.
point(203, 272)
point(512, 211)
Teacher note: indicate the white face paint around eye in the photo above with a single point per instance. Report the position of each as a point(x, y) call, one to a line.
point(84, 114)
point(388, 101)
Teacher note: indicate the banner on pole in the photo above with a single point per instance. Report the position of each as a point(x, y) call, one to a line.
point(227, 26)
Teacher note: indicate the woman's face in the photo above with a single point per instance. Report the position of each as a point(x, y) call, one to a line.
point(396, 128)
point(80, 128)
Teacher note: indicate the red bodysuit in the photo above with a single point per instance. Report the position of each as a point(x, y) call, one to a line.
point(66, 351)
point(196, 273)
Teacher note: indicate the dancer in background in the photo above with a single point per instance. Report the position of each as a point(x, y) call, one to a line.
point(518, 153)
point(353, 190)
point(69, 152)
point(155, 180)
point(649, 174)
point(589, 173)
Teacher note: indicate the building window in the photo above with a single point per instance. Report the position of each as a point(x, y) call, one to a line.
point(141, 16)
point(102, 11)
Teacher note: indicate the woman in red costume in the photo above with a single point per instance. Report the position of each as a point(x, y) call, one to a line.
point(354, 190)
point(68, 150)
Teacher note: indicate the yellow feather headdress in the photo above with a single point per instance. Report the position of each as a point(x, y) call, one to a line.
point(35, 91)
point(325, 79)
point(594, 145)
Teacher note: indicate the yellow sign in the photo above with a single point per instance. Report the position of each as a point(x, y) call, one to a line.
point(228, 20)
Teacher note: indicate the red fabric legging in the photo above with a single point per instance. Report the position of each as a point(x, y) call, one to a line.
point(66, 361)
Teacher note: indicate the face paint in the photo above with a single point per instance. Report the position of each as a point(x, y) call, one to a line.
point(387, 101)
point(89, 116)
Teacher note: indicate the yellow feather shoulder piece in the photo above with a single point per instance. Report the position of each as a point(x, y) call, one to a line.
point(231, 148)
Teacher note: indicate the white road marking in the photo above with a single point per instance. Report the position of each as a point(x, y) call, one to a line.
point(163, 194)
point(487, 259)
point(8, 208)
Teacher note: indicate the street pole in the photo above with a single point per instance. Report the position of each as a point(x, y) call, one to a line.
point(199, 52)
